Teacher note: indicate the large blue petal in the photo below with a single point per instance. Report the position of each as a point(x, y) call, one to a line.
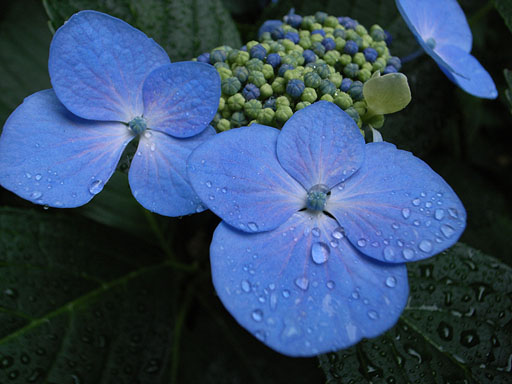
point(49, 156)
point(442, 20)
point(303, 289)
point(396, 208)
point(98, 65)
point(238, 176)
point(181, 99)
point(158, 173)
point(466, 71)
point(320, 144)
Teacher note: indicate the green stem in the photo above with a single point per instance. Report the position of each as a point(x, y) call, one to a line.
point(481, 13)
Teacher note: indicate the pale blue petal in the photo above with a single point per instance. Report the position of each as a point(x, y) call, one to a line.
point(51, 157)
point(466, 71)
point(320, 144)
point(181, 99)
point(302, 289)
point(396, 208)
point(442, 20)
point(98, 65)
point(238, 176)
point(158, 174)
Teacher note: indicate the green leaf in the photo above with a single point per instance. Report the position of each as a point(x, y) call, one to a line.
point(184, 28)
point(504, 7)
point(79, 303)
point(508, 92)
point(24, 42)
point(456, 327)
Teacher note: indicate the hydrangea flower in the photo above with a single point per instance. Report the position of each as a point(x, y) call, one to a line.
point(443, 32)
point(111, 84)
point(317, 226)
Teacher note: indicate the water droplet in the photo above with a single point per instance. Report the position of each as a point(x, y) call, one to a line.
point(10, 292)
point(260, 335)
point(361, 242)
point(453, 213)
point(355, 295)
point(373, 315)
point(257, 315)
point(302, 282)
point(148, 134)
point(152, 147)
point(428, 204)
point(408, 253)
point(320, 252)
point(273, 301)
point(391, 282)
point(395, 226)
point(95, 187)
point(445, 331)
point(246, 286)
point(416, 223)
point(416, 202)
point(338, 233)
point(38, 177)
point(224, 190)
point(406, 212)
point(286, 293)
point(211, 197)
point(425, 246)
point(316, 232)
point(252, 226)
point(36, 195)
point(447, 230)
point(330, 284)
point(28, 175)
point(209, 184)
point(469, 338)
point(389, 253)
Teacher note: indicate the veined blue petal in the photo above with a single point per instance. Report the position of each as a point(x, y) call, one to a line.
point(51, 157)
point(396, 208)
point(320, 144)
point(181, 99)
point(238, 176)
point(442, 20)
point(466, 71)
point(302, 289)
point(98, 64)
point(158, 175)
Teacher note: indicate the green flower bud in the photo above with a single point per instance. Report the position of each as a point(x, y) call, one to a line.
point(224, 73)
point(307, 22)
point(283, 113)
point(316, 38)
point(359, 59)
point(265, 36)
point(241, 73)
point(292, 74)
point(251, 44)
point(276, 47)
point(351, 70)
point(361, 30)
point(282, 101)
point(327, 87)
point(293, 58)
point(303, 33)
point(220, 64)
point(266, 91)
point(312, 80)
point(287, 44)
point(279, 85)
point(254, 65)
point(305, 42)
point(387, 94)
point(352, 35)
point(343, 100)
point(223, 125)
point(331, 57)
point(266, 46)
point(226, 112)
point(222, 103)
point(302, 104)
point(241, 58)
point(323, 70)
point(238, 119)
point(360, 107)
point(345, 59)
point(340, 43)
point(379, 64)
point(236, 102)
point(364, 75)
point(327, 97)
point(316, 25)
point(336, 79)
point(377, 33)
point(257, 78)
point(367, 66)
point(252, 107)
point(332, 22)
point(376, 121)
point(328, 31)
point(309, 95)
point(230, 86)
point(266, 116)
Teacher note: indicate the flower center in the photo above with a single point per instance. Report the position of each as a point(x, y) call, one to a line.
point(138, 125)
point(431, 43)
point(317, 197)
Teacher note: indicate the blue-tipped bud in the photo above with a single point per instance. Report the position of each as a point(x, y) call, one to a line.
point(294, 20)
point(389, 38)
point(395, 62)
point(204, 58)
point(293, 36)
point(320, 17)
point(318, 48)
point(351, 111)
point(329, 44)
point(351, 70)
point(327, 87)
point(270, 103)
point(251, 91)
point(318, 31)
point(241, 73)
point(283, 68)
point(389, 69)
point(217, 55)
point(347, 22)
point(345, 84)
point(238, 119)
point(370, 54)
point(258, 52)
point(309, 56)
point(295, 88)
point(274, 59)
point(323, 70)
point(356, 91)
point(277, 34)
point(230, 86)
point(340, 33)
point(312, 80)
point(351, 47)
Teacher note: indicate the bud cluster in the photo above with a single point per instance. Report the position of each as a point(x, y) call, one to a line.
point(294, 64)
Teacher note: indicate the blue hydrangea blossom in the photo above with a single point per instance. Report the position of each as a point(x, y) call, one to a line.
point(442, 30)
point(111, 84)
point(317, 226)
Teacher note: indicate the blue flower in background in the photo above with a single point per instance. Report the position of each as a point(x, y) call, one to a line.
point(111, 84)
point(317, 226)
point(443, 32)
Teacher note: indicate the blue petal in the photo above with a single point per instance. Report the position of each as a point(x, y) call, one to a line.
point(320, 144)
point(465, 70)
point(269, 26)
point(396, 208)
point(442, 20)
point(51, 157)
point(238, 176)
point(181, 99)
point(98, 65)
point(158, 173)
point(302, 289)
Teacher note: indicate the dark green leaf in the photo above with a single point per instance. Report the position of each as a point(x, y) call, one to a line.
point(504, 7)
point(456, 327)
point(508, 92)
point(80, 304)
point(24, 42)
point(184, 28)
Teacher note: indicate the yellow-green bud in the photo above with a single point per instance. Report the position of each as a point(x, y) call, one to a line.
point(345, 59)
point(359, 59)
point(331, 22)
point(282, 101)
point(302, 104)
point(287, 44)
point(328, 30)
point(336, 79)
point(224, 73)
point(223, 125)
point(268, 71)
point(309, 94)
point(283, 113)
point(367, 66)
point(266, 46)
point(257, 78)
point(327, 97)
point(364, 75)
point(379, 64)
point(242, 58)
point(251, 44)
point(226, 112)
point(340, 43)
point(316, 38)
point(305, 42)
point(361, 30)
point(222, 103)
point(343, 100)
point(360, 107)
point(376, 121)
point(292, 74)
point(331, 57)
point(266, 116)
point(316, 26)
point(279, 85)
point(303, 33)
point(266, 91)
point(252, 108)
point(236, 102)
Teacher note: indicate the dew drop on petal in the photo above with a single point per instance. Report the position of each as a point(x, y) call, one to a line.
point(373, 315)
point(95, 187)
point(338, 233)
point(391, 282)
point(320, 252)
point(361, 242)
point(453, 213)
point(425, 246)
point(257, 315)
point(302, 282)
point(316, 232)
point(408, 253)
point(36, 195)
point(439, 214)
point(246, 286)
point(252, 226)
point(209, 184)
point(286, 293)
point(152, 147)
point(38, 177)
point(389, 253)
point(416, 202)
point(447, 230)
point(330, 284)
point(406, 212)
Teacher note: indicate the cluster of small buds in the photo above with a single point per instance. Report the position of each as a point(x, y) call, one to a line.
point(294, 64)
